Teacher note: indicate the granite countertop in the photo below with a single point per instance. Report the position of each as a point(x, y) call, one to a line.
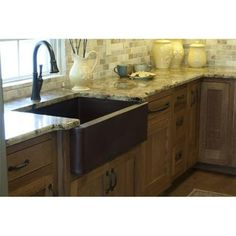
point(109, 88)
point(21, 126)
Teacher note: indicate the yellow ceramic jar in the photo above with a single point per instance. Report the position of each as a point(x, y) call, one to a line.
point(197, 55)
point(178, 53)
point(162, 53)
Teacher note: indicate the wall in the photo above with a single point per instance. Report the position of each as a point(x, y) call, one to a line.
point(220, 52)
point(115, 51)
point(110, 53)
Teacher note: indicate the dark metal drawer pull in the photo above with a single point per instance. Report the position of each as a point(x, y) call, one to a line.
point(178, 156)
point(20, 166)
point(162, 108)
point(109, 183)
point(179, 122)
point(114, 179)
point(50, 190)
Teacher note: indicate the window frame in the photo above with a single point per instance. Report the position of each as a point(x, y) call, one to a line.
point(58, 46)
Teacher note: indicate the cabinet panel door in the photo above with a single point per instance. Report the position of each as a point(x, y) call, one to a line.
point(115, 178)
point(233, 128)
point(193, 123)
point(153, 164)
point(214, 120)
point(93, 187)
point(122, 175)
point(94, 183)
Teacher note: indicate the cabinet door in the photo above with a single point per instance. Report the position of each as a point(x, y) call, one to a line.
point(214, 121)
point(95, 183)
point(122, 175)
point(153, 163)
point(193, 123)
point(233, 128)
point(115, 178)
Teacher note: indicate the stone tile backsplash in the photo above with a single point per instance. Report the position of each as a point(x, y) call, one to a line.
point(220, 52)
point(114, 51)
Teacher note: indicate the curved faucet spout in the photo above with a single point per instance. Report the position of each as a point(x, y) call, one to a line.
point(37, 80)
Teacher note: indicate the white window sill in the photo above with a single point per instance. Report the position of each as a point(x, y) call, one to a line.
point(28, 82)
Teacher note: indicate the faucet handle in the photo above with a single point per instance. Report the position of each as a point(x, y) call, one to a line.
point(40, 71)
point(40, 78)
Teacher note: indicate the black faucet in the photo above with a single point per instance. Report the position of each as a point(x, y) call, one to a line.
point(37, 80)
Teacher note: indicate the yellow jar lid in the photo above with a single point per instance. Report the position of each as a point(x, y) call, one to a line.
point(197, 45)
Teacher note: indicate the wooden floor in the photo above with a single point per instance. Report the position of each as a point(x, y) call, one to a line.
point(203, 180)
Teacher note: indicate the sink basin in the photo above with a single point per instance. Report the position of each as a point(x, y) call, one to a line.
point(108, 128)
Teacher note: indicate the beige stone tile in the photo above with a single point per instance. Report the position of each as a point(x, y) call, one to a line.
point(100, 42)
point(116, 40)
point(222, 41)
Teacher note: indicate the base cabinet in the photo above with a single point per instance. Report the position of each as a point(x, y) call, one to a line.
point(193, 112)
point(32, 167)
point(215, 122)
point(190, 123)
point(115, 178)
point(152, 166)
point(179, 135)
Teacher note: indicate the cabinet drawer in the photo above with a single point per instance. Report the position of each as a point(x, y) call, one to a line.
point(39, 182)
point(31, 158)
point(179, 126)
point(159, 106)
point(180, 99)
point(179, 158)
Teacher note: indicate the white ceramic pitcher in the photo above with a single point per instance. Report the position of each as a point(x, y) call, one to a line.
point(81, 71)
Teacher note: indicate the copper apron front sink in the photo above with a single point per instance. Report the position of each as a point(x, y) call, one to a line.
point(108, 128)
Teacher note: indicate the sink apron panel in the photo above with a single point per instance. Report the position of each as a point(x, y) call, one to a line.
point(101, 140)
point(108, 128)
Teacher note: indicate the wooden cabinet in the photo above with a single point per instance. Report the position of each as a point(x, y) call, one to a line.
point(32, 167)
point(115, 178)
point(193, 123)
point(190, 123)
point(179, 126)
point(152, 165)
point(95, 183)
point(215, 122)
point(232, 134)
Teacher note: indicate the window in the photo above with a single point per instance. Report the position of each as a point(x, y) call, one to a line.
point(17, 58)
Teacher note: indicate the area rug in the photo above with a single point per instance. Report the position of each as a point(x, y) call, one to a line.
point(204, 193)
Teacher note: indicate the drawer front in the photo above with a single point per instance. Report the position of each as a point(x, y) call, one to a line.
point(180, 99)
point(159, 106)
point(37, 183)
point(179, 158)
point(29, 159)
point(179, 126)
